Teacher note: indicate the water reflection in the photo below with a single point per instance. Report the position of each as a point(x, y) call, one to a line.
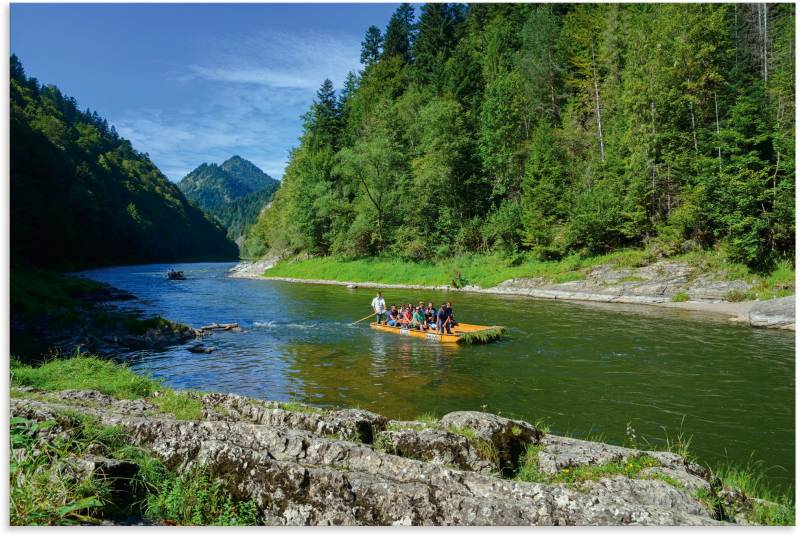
point(586, 367)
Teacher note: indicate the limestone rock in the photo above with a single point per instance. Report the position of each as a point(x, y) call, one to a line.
point(297, 472)
point(773, 313)
point(509, 438)
point(437, 446)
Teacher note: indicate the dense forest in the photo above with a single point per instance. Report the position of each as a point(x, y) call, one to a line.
point(547, 130)
point(234, 192)
point(83, 196)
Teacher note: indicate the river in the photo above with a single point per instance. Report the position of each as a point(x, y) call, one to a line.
point(586, 369)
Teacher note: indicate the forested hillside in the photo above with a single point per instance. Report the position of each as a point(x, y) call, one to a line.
point(549, 130)
point(235, 192)
point(83, 196)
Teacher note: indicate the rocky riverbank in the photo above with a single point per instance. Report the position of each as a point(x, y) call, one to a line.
point(79, 313)
point(665, 283)
point(301, 465)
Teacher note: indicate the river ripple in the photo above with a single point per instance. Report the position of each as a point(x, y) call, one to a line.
point(588, 369)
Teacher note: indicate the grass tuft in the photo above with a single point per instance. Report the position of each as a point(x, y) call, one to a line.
point(82, 371)
point(46, 491)
point(299, 407)
point(483, 336)
point(181, 404)
point(680, 296)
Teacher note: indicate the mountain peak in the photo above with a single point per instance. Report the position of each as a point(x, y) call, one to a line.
point(233, 191)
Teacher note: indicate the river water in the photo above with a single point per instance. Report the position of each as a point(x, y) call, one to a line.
point(587, 369)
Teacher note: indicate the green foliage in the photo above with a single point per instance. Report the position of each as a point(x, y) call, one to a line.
point(183, 405)
point(39, 292)
point(45, 492)
point(194, 498)
point(299, 407)
point(768, 508)
point(529, 469)
point(84, 372)
point(552, 130)
point(489, 270)
point(483, 336)
point(680, 296)
point(428, 419)
point(82, 196)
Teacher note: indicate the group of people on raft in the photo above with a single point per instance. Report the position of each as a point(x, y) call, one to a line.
point(410, 317)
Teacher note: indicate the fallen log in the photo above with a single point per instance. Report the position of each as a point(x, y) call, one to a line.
point(223, 327)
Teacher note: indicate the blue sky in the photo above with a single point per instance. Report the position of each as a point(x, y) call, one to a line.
point(193, 83)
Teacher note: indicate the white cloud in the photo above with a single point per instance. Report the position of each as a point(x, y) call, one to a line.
point(247, 99)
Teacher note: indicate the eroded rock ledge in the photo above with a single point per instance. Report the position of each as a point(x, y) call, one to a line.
point(306, 466)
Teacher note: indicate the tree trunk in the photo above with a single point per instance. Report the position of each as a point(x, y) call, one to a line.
point(694, 131)
point(377, 205)
point(719, 143)
point(597, 108)
point(766, 40)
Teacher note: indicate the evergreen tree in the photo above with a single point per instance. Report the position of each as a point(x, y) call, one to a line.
point(371, 46)
point(399, 37)
point(551, 129)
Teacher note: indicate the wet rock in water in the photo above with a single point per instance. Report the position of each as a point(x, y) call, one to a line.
point(201, 349)
point(307, 466)
point(773, 313)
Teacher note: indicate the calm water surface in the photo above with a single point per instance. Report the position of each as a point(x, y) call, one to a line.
point(587, 369)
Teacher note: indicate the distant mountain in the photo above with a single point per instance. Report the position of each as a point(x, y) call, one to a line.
point(234, 192)
point(83, 196)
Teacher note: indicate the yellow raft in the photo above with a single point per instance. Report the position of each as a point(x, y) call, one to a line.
point(462, 333)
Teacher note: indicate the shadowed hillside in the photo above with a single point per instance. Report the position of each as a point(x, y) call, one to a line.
point(83, 196)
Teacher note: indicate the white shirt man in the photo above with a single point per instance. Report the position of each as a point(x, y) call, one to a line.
point(379, 307)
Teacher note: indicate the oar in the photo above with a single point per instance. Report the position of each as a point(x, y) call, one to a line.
point(357, 321)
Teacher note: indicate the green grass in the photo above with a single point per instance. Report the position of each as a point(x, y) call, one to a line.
point(43, 492)
point(181, 404)
point(428, 419)
point(82, 371)
point(490, 270)
point(482, 270)
point(777, 284)
point(39, 291)
point(680, 296)
point(394, 427)
point(298, 407)
point(772, 509)
point(529, 469)
point(482, 337)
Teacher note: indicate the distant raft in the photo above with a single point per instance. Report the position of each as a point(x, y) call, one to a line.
point(462, 333)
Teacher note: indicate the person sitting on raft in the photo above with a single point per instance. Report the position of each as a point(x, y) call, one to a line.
point(418, 320)
point(430, 316)
point(407, 316)
point(394, 316)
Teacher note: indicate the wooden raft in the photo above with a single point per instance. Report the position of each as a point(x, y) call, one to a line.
point(462, 333)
